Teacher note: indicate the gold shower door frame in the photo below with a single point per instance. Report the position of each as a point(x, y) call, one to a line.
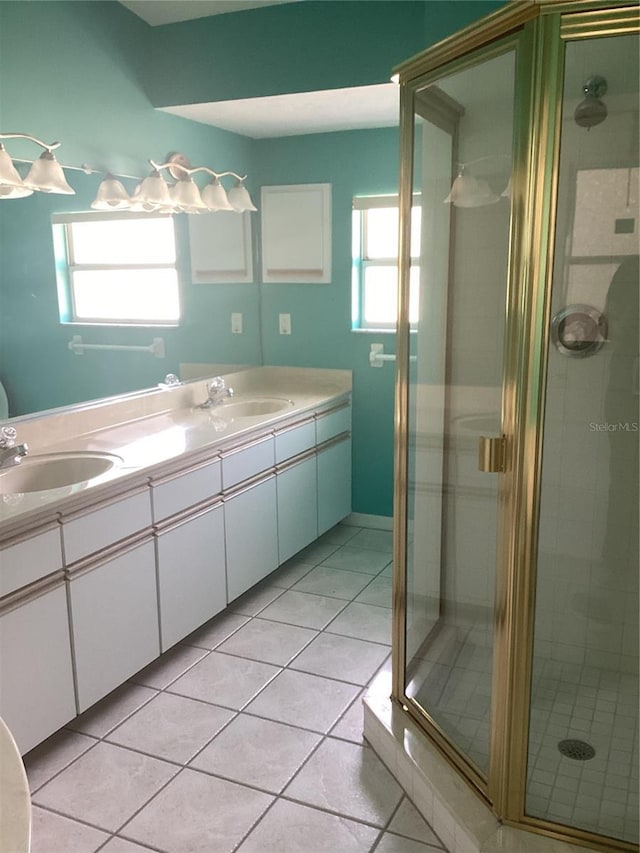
point(538, 32)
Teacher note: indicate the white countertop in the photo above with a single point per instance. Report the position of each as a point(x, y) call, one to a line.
point(161, 425)
point(15, 802)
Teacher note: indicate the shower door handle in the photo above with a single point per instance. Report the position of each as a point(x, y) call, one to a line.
point(492, 454)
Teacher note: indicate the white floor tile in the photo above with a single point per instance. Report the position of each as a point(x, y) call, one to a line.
point(216, 631)
point(112, 710)
point(57, 752)
point(291, 572)
point(304, 609)
point(408, 821)
point(349, 779)
point(395, 844)
point(344, 658)
point(119, 845)
point(224, 680)
point(170, 666)
point(350, 725)
point(364, 622)
point(377, 540)
point(197, 813)
point(336, 583)
point(171, 727)
point(270, 642)
point(105, 786)
point(357, 560)
point(293, 828)
point(257, 752)
point(52, 833)
point(378, 592)
point(303, 700)
point(252, 602)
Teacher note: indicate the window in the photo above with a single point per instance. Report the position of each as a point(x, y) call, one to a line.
point(116, 268)
point(375, 263)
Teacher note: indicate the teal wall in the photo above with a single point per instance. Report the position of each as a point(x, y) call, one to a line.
point(90, 74)
point(355, 163)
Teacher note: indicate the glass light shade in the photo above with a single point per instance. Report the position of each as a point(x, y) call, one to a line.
point(152, 191)
point(215, 197)
point(111, 195)
point(467, 191)
point(14, 192)
point(186, 196)
point(47, 176)
point(239, 198)
point(9, 176)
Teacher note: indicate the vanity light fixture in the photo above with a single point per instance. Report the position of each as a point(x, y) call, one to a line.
point(111, 195)
point(184, 196)
point(45, 175)
point(468, 191)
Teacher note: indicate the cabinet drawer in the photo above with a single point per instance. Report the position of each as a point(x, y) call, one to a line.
point(27, 561)
point(114, 612)
point(247, 462)
point(171, 496)
point(94, 531)
point(333, 424)
point(294, 440)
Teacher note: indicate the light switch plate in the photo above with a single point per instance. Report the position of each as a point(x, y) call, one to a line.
point(285, 324)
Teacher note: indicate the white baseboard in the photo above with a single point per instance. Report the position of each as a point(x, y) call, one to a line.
point(377, 522)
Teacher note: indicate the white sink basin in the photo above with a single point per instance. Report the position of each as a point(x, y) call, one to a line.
point(253, 407)
point(53, 470)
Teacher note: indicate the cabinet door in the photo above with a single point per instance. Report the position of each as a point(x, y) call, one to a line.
point(191, 575)
point(297, 508)
point(36, 677)
point(114, 611)
point(334, 484)
point(296, 233)
point(251, 534)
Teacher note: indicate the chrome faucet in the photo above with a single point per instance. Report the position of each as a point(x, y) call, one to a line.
point(10, 452)
point(217, 390)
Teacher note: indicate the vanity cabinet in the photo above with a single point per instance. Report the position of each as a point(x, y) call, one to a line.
point(297, 506)
point(114, 613)
point(101, 588)
point(191, 573)
point(36, 678)
point(250, 526)
point(334, 482)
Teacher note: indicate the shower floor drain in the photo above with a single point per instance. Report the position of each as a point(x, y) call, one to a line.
point(579, 750)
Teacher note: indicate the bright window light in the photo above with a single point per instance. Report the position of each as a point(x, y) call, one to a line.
point(117, 268)
point(375, 263)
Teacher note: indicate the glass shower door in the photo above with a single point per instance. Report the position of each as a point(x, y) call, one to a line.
point(462, 163)
point(583, 731)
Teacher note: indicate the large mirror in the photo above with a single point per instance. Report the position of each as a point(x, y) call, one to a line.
point(39, 371)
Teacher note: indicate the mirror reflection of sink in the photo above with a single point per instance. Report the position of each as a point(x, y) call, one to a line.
point(251, 408)
point(39, 472)
point(480, 424)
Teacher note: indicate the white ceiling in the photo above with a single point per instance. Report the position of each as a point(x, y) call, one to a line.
point(158, 12)
point(356, 108)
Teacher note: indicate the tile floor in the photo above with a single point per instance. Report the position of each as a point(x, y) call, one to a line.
point(247, 736)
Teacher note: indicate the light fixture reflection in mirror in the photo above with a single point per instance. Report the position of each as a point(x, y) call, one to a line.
point(45, 175)
point(111, 195)
point(469, 191)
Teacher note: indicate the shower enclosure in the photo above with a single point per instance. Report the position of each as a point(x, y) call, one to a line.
point(516, 547)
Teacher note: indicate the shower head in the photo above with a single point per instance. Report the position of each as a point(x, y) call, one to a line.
point(591, 111)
